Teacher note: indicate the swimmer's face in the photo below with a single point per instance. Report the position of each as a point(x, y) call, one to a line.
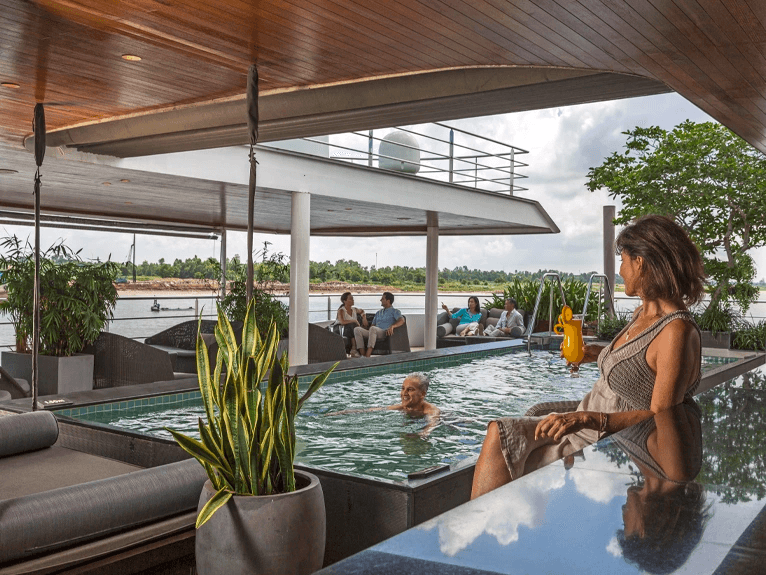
point(411, 393)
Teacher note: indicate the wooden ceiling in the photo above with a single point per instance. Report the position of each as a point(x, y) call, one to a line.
point(68, 53)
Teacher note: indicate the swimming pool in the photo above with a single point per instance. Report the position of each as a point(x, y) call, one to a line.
point(387, 444)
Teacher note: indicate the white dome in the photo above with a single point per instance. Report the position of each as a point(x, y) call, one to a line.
point(395, 153)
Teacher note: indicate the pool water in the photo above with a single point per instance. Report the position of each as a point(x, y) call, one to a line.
point(390, 444)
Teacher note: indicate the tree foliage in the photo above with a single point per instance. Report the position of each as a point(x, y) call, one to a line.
point(709, 181)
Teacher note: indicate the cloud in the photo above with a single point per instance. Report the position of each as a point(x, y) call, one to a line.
point(499, 513)
point(613, 548)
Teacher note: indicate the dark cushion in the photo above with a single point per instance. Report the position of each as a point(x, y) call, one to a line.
point(27, 432)
point(44, 522)
point(442, 318)
point(495, 313)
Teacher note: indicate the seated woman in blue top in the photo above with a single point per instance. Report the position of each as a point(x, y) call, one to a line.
point(469, 318)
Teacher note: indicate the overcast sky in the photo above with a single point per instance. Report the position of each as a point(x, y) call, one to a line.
point(563, 144)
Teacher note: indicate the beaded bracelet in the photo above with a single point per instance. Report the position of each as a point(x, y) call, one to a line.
point(604, 419)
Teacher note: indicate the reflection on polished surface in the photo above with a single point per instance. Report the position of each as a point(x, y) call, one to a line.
point(682, 492)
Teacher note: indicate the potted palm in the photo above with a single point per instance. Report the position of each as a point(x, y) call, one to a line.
point(77, 299)
point(257, 514)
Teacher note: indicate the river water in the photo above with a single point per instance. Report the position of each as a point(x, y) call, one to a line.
point(134, 318)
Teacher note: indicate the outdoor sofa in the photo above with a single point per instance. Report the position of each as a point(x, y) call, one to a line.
point(72, 497)
point(397, 343)
point(180, 342)
point(446, 328)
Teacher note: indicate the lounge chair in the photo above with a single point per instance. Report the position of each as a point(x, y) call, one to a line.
point(12, 388)
point(324, 345)
point(180, 341)
point(397, 343)
point(122, 361)
point(64, 507)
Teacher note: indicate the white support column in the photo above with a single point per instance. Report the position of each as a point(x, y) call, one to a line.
point(432, 279)
point(300, 236)
point(609, 257)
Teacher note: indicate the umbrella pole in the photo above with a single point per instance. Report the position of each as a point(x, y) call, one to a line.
point(252, 125)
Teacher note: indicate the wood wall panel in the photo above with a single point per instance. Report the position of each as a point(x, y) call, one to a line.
point(713, 52)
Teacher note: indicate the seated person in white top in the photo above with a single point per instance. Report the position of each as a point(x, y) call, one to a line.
point(511, 322)
point(348, 318)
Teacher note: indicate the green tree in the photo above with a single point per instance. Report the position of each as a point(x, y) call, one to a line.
point(709, 181)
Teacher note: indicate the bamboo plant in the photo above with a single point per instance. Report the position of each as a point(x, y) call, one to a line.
point(247, 445)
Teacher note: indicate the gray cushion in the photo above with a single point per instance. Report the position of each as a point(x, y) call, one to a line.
point(5, 396)
point(27, 432)
point(495, 313)
point(44, 522)
point(492, 321)
point(444, 329)
point(442, 318)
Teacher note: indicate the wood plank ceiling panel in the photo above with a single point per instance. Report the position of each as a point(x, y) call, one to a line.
point(67, 52)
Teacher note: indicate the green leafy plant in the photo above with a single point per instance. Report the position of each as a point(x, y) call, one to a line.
point(751, 336)
point(720, 318)
point(609, 327)
point(525, 293)
point(271, 269)
point(247, 445)
point(77, 298)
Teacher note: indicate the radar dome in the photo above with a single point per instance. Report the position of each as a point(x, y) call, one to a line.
point(401, 151)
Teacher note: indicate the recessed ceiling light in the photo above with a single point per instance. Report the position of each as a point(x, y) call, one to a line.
point(125, 181)
point(330, 210)
point(128, 203)
point(348, 209)
point(8, 171)
point(12, 85)
point(106, 183)
point(403, 218)
point(131, 57)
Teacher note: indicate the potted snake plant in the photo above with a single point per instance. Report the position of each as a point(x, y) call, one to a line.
point(257, 514)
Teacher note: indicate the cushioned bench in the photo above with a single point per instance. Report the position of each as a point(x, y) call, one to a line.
point(446, 330)
point(60, 506)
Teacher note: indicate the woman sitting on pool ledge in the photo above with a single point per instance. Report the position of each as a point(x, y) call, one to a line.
point(653, 364)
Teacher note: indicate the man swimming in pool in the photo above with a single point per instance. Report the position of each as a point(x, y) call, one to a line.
point(413, 394)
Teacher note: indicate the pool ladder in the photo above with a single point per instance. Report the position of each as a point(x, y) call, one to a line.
point(533, 319)
point(550, 333)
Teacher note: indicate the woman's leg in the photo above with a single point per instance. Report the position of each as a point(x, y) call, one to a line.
point(491, 470)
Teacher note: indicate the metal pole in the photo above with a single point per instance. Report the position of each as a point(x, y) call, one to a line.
point(609, 257)
point(451, 154)
point(196, 307)
point(134, 258)
point(223, 263)
point(36, 297)
point(369, 150)
point(329, 312)
point(476, 172)
point(252, 124)
point(510, 177)
point(550, 312)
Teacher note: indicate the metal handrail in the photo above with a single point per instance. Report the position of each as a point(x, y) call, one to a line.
point(600, 298)
point(482, 162)
point(532, 321)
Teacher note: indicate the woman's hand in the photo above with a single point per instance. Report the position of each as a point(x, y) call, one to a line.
point(557, 425)
point(444, 307)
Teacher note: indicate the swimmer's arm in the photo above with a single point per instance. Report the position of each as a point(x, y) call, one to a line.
point(433, 421)
point(347, 411)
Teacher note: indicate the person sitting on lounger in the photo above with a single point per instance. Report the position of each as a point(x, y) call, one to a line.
point(469, 318)
point(511, 323)
point(383, 325)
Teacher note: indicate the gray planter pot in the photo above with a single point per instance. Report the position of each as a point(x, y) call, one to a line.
point(57, 375)
point(721, 339)
point(263, 535)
